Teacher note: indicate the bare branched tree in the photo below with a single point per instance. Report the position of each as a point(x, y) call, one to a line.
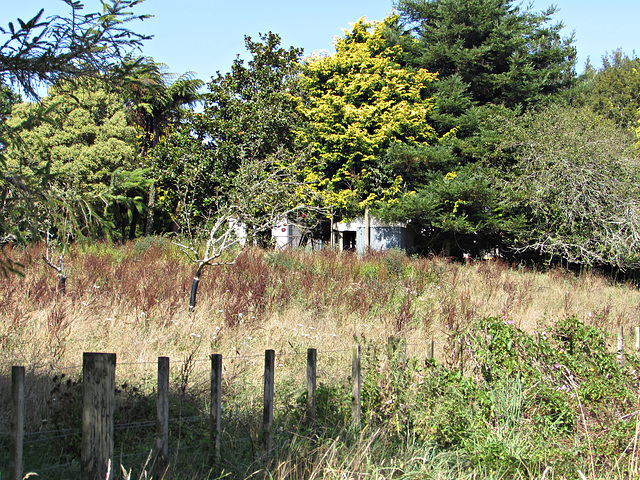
point(577, 181)
point(58, 266)
point(263, 194)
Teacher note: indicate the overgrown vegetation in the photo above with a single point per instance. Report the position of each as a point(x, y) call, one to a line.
point(463, 119)
point(505, 147)
point(537, 390)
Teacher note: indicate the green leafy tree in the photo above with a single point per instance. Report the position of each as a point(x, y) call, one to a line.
point(456, 212)
point(88, 150)
point(159, 99)
point(186, 179)
point(252, 111)
point(575, 184)
point(613, 91)
point(159, 102)
point(493, 60)
point(234, 169)
point(250, 114)
point(361, 101)
point(502, 53)
point(7, 100)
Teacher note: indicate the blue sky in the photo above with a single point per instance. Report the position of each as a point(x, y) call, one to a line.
point(204, 36)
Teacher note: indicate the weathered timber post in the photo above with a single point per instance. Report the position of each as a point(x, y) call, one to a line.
point(430, 350)
point(312, 355)
point(267, 417)
point(216, 406)
point(356, 389)
point(621, 345)
point(98, 405)
point(17, 424)
point(637, 341)
point(162, 423)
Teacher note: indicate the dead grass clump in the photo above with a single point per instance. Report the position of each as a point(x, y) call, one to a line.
point(132, 299)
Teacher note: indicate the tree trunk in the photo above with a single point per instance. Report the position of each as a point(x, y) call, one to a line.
point(62, 284)
point(135, 216)
point(150, 212)
point(194, 292)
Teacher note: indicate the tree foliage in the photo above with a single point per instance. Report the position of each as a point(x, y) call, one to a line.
point(493, 60)
point(185, 178)
point(613, 90)
point(249, 122)
point(503, 54)
point(251, 111)
point(576, 183)
point(159, 102)
point(361, 101)
point(439, 116)
point(159, 99)
point(88, 151)
point(45, 50)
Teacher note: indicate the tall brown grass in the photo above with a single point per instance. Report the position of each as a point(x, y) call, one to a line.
point(132, 300)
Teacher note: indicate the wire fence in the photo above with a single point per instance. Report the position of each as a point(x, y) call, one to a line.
point(53, 400)
point(52, 437)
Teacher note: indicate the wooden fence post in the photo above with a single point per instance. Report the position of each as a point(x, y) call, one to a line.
point(430, 350)
point(267, 417)
point(98, 405)
point(17, 424)
point(621, 345)
point(162, 424)
point(312, 355)
point(637, 341)
point(216, 406)
point(356, 376)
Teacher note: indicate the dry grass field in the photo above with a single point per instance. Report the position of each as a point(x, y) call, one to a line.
point(132, 300)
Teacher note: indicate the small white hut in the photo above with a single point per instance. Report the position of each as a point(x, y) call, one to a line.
point(286, 235)
point(371, 233)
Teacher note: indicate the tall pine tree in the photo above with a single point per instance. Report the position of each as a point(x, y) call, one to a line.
point(506, 55)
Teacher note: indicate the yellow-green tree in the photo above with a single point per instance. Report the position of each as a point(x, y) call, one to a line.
point(361, 101)
point(88, 149)
point(613, 90)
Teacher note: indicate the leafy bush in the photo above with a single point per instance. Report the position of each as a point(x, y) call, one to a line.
point(523, 403)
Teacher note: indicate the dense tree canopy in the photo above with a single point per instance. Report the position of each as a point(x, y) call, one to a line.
point(504, 54)
point(361, 100)
point(250, 118)
point(493, 60)
point(613, 90)
point(44, 51)
point(441, 116)
point(576, 185)
point(84, 143)
point(159, 102)
point(251, 111)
